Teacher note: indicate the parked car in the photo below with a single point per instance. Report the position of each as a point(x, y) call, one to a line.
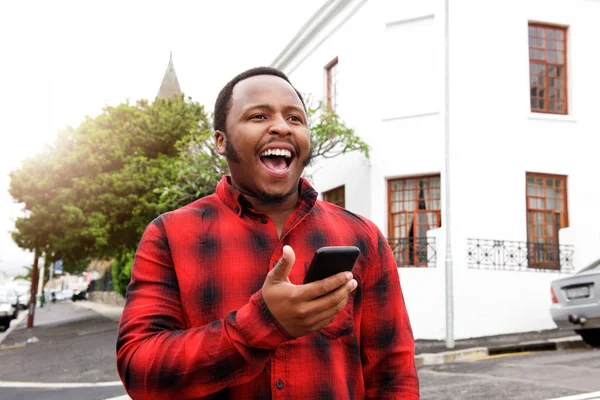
point(8, 307)
point(576, 303)
point(79, 295)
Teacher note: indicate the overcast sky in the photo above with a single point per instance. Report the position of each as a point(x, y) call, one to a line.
point(63, 60)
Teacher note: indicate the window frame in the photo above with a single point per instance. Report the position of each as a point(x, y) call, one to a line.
point(331, 84)
point(546, 65)
point(564, 219)
point(336, 190)
point(416, 245)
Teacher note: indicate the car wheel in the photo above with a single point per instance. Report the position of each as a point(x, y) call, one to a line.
point(590, 336)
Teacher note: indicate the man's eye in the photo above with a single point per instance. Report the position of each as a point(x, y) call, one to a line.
point(295, 118)
point(258, 116)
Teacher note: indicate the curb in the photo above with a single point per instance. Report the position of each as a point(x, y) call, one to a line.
point(477, 353)
point(13, 325)
point(451, 356)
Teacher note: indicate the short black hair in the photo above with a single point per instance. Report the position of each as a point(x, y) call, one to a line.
point(223, 103)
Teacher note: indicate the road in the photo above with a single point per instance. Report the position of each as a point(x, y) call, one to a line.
point(540, 375)
point(71, 355)
point(74, 358)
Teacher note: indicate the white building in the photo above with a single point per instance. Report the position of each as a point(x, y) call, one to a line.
point(524, 133)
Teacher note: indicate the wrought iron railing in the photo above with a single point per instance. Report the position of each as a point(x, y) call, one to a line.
point(519, 256)
point(414, 252)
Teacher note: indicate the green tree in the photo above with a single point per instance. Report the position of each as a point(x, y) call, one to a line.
point(91, 193)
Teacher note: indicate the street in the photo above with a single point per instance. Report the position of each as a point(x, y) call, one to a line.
point(539, 375)
point(71, 355)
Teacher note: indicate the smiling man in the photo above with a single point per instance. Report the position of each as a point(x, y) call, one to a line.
point(216, 307)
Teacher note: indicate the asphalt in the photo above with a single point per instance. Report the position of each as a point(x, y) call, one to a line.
point(67, 344)
point(68, 354)
point(525, 376)
point(75, 344)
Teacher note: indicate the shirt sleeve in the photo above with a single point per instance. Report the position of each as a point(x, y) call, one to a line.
point(387, 343)
point(159, 357)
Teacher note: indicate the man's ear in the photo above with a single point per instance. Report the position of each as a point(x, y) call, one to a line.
point(220, 141)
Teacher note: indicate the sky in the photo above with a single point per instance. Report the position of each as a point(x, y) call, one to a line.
point(63, 60)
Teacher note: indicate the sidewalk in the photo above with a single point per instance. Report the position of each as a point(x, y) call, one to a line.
point(431, 352)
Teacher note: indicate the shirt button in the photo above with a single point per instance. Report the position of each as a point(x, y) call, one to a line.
point(264, 221)
point(236, 209)
point(279, 384)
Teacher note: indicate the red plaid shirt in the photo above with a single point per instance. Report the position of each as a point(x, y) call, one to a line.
point(195, 324)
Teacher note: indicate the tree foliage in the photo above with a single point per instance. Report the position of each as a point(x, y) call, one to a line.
point(94, 190)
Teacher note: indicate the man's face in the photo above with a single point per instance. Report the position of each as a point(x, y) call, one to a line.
point(267, 143)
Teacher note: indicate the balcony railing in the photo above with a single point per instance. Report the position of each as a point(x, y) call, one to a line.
point(414, 252)
point(519, 256)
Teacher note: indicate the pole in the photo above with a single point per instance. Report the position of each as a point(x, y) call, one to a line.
point(34, 283)
point(449, 276)
point(40, 291)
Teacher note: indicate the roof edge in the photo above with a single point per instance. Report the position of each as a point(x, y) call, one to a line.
point(309, 30)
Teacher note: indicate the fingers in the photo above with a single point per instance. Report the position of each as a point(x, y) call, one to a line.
point(323, 310)
point(281, 270)
point(320, 288)
point(332, 303)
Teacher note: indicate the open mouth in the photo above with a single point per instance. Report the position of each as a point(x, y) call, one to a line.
point(277, 160)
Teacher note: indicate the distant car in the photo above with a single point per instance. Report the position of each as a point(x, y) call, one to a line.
point(8, 307)
point(79, 295)
point(576, 303)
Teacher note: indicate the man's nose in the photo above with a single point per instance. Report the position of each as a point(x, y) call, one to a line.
point(280, 127)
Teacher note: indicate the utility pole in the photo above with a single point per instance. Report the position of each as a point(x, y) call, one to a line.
point(40, 291)
point(33, 292)
point(449, 275)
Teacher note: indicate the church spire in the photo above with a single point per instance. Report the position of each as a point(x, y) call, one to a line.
point(169, 87)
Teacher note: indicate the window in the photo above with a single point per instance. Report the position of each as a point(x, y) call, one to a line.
point(548, 68)
point(331, 71)
point(414, 208)
point(336, 196)
point(546, 215)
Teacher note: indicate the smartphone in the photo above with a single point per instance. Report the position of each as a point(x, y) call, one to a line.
point(331, 260)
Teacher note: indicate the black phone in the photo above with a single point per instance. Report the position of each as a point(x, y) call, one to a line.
point(331, 260)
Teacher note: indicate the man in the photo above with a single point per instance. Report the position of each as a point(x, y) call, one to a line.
point(216, 309)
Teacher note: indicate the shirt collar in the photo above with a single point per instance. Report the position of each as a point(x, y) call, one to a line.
point(238, 203)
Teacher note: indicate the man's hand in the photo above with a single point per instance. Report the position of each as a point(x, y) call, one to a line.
point(302, 309)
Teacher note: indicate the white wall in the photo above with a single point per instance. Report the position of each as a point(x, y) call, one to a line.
point(495, 139)
point(390, 89)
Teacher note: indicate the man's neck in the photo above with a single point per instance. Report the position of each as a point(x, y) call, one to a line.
point(271, 209)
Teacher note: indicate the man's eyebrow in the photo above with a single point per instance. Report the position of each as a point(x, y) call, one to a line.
point(257, 107)
point(267, 107)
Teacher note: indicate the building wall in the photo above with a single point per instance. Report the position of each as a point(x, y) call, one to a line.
point(391, 90)
point(495, 140)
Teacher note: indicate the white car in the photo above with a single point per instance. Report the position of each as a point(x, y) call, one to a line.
point(8, 307)
point(576, 303)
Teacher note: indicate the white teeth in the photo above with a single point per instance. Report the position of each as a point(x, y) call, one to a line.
point(277, 152)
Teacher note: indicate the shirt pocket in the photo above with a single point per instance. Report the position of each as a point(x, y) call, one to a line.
point(343, 323)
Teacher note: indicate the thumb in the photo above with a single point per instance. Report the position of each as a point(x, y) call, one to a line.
point(282, 269)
